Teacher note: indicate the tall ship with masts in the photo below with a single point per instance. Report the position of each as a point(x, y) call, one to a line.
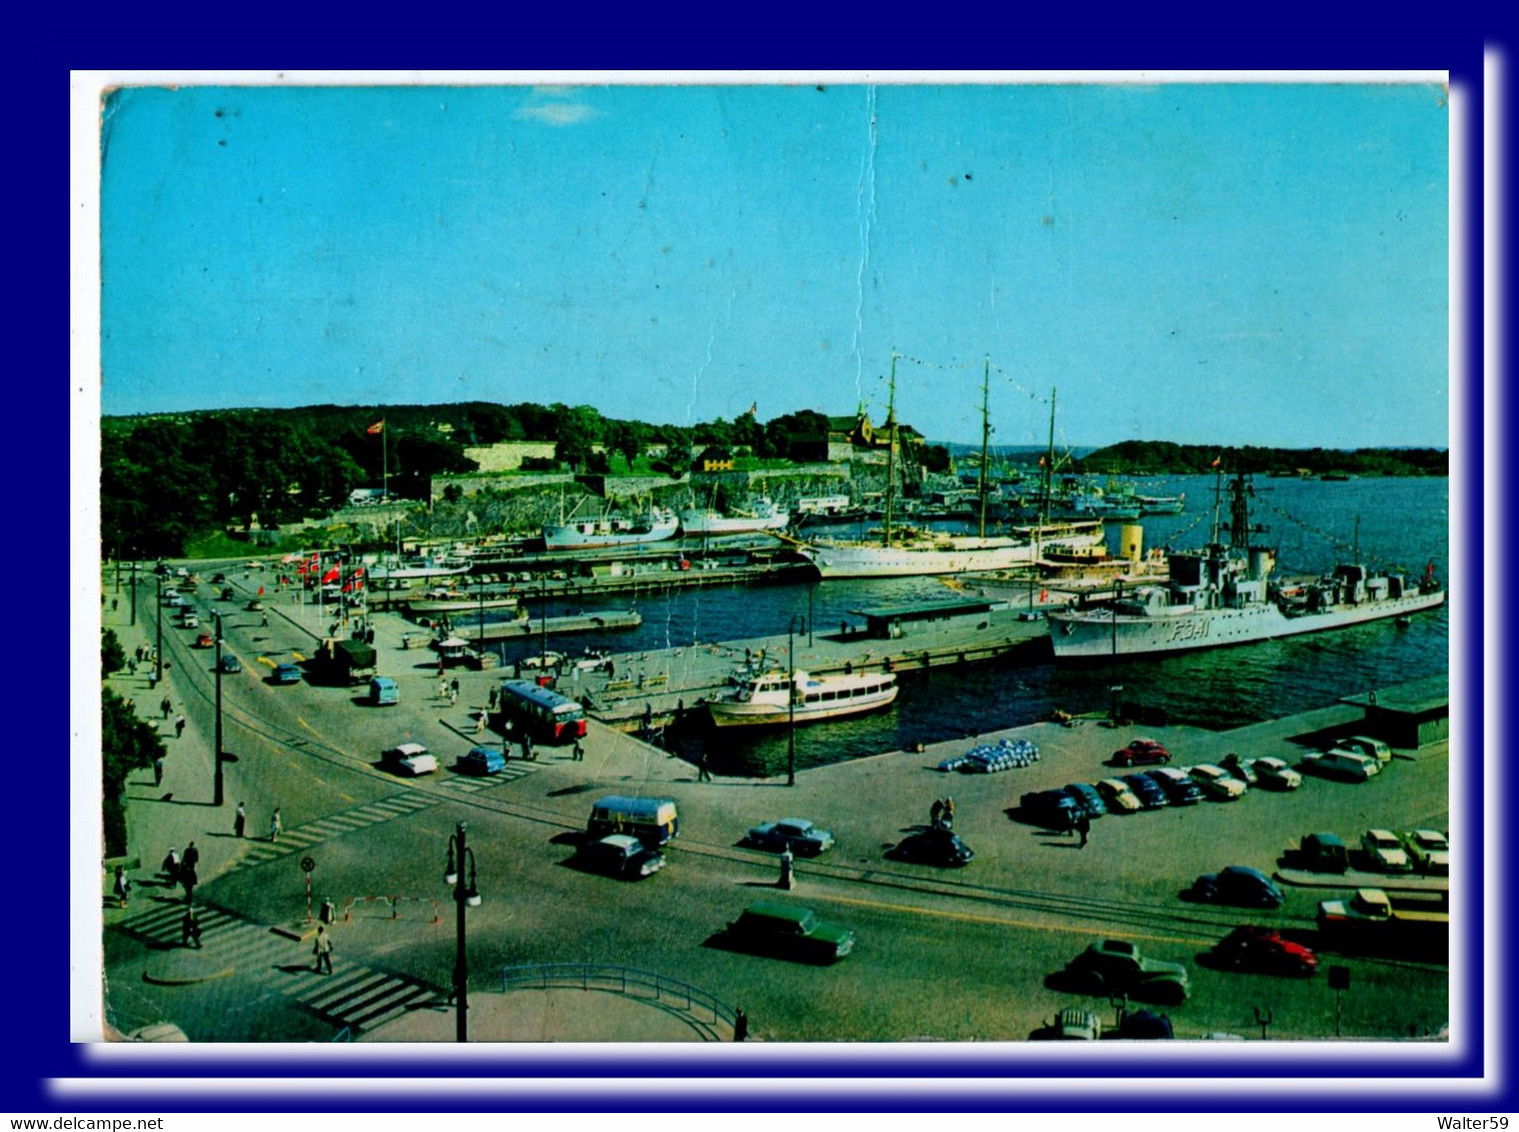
point(1225, 595)
point(911, 551)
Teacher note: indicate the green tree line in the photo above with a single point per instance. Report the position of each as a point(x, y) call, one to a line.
point(1164, 457)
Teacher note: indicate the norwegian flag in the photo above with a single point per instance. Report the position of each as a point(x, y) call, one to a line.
point(302, 566)
point(332, 575)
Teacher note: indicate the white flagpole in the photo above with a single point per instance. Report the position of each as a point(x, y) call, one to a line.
point(385, 461)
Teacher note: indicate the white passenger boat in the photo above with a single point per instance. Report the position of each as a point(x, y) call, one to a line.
point(776, 698)
point(653, 525)
point(763, 516)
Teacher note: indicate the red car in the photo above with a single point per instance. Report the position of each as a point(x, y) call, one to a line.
point(1265, 951)
point(204, 641)
point(1141, 752)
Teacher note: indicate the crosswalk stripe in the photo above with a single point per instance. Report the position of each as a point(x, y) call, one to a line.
point(393, 1009)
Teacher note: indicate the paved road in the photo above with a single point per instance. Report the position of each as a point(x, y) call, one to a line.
point(957, 955)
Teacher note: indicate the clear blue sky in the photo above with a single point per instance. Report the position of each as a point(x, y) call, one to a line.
point(1245, 264)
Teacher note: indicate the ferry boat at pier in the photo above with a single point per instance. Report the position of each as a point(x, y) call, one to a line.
point(763, 516)
point(777, 697)
point(1224, 595)
point(654, 525)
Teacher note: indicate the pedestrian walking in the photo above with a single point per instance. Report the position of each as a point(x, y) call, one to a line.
point(240, 821)
point(322, 949)
point(480, 723)
point(189, 930)
point(1083, 828)
point(442, 686)
point(275, 825)
point(114, 603)
point(495, 697)
point(192, 856)
point(158, 772)
point(121, 886)
point(527, 745)
point(949, 813)
point(579, 751)
point(264, 621)
point(703, 769)
point(179, 727)
point(166, 706)
point(453, 686)
point(788, 876)
point(189, 880)
point(171, 865)
point(936, 813)
point(453, 696)
point(740, 1024)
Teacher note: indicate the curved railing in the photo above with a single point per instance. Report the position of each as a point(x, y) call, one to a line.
point(705, 1013)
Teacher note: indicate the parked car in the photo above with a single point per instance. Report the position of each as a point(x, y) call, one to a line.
point(790, 931)
point(1323, 853)
point(1346, 765)
point(620, 855)
point(1141, 752)
point(1074, 1024)
point(1144, 1025)
point(1239, 885)
point(797, 834)
point(1275, 774)
point(482, 761)
point(189, 619)
point(205, 641)
point(1217, 783)
point(409, 758)
point(254, 606)
point(218, 579)
point(229, 594)
point(1053, 809)
point(175, 599)
point(1386, 852)
point(1429, 851)
point(1365, 745)
point(1240, 767)
point(1180, 789)
point(1115, 966)
point(230, 663)
point(1264, 952)
point(1119, 798)
point(285, 674)
point(933, 847)
point(1147, 790)
point(1087, 798)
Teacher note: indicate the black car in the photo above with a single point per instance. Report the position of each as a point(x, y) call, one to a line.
point(1239, 885)
point(1053, 809)
point(1179, 788)
point(620, 855)
point(934, 847)
point(1147, 790)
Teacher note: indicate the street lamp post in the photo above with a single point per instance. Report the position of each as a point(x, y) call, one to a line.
point(543, 622)
point(1114, 686)
point(463, 897)
point(134, 591)
point(217, 791)
point(811, 590)
point(158, 648)
point(791, 700)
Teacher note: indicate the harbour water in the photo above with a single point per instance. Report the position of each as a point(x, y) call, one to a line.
point(1403, 526)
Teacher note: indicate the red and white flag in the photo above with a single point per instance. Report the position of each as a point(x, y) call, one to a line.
point(376, 428)
point(332, 575)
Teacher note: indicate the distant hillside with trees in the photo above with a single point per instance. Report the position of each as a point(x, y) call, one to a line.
point(1136, 457)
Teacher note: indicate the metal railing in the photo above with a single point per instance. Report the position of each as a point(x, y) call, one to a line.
point(706, 1012)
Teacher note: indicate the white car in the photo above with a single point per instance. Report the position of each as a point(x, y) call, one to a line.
point(1218, 783)
point(410, 758)
point(1386, 851)
point(189, 619)
point(1366, 746)
point(1273, 772)
point(1429, 850)
point(1341, 764)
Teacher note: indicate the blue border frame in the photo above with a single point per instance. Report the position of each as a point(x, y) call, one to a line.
point(39, 966)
